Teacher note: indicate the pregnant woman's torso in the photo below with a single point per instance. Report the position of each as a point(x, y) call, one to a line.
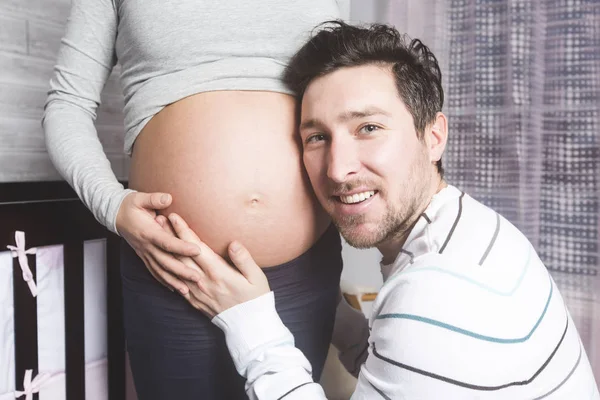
point(232, 162)
point(225, 146)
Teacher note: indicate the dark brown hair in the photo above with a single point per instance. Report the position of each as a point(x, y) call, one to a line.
point(338, 44)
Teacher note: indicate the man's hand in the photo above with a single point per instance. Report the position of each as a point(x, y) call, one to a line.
point(220, 286)
point(157, 248)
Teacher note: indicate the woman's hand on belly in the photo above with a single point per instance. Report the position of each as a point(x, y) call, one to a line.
point(158, 250)
point(220, 286)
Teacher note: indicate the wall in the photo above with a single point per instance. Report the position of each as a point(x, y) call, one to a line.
point(30, 32)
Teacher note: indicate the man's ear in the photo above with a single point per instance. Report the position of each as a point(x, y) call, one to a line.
point(436, 136)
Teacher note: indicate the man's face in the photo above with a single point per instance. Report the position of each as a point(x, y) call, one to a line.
point(368, 168)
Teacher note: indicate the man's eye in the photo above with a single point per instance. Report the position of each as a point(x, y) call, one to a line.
point(369, 128)
point(315, 138)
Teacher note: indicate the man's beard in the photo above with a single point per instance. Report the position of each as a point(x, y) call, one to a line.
point(399, 217)
point(395, 223)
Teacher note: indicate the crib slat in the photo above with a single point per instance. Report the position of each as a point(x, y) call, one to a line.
point(74, 321)
point(114, 309)
point(25, 318)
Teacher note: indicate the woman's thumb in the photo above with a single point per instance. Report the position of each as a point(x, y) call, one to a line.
point(155, 201)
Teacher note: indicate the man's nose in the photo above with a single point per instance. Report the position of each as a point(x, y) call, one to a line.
point(342, 161)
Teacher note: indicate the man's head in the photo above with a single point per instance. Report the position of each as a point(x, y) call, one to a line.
point(372, 129)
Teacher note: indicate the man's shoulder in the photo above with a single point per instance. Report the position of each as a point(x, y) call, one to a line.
point(470, 231)
point(438, 296)
point(449, 320)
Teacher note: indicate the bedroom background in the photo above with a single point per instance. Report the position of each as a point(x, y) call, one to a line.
point(522, 83)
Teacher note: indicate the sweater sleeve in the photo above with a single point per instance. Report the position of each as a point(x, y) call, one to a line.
point(398, 356)
point(263, 351)
point(86, 58)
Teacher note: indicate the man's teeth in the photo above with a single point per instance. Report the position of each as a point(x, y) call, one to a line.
point(357, 198)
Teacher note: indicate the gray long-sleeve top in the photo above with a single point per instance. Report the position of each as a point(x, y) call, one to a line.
point(167, 50)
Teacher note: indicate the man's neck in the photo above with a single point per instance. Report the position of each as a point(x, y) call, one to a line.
point(391, 248)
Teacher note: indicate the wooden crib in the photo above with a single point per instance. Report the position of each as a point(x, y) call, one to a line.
point(51, 214)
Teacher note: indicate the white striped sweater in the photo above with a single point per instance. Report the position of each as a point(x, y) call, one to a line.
point(467, 311)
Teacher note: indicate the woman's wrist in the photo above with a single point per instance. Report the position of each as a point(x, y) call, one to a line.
point(113, 212)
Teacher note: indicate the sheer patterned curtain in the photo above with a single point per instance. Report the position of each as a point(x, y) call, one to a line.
point(522, 84)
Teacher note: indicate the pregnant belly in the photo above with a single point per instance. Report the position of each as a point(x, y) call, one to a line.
point(232, 162)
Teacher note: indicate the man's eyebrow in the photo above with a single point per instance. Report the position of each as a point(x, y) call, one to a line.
point(346, 116)
point(367, 112)
point(310, 123)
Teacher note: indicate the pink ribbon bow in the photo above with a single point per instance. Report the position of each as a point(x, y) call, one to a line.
point(31, 386)
point(19, 252)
